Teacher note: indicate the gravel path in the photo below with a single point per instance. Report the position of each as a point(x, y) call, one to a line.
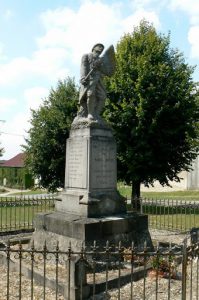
point(162, 288)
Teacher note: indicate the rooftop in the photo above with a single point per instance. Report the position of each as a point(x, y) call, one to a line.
point(17, 161)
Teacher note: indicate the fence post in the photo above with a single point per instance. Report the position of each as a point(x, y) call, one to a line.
point(184, 269)
point(141, 206)
point(79, 289)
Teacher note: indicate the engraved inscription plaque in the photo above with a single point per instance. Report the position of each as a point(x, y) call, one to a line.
point(76, 163)
point(103, 164)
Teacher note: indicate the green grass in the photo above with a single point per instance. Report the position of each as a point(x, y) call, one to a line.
point(174, 222)
point(32, 192)
point(18, 217)
point(184, 195)
point(177, 218)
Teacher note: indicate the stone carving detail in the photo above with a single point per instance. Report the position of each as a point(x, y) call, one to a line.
point(92, 91)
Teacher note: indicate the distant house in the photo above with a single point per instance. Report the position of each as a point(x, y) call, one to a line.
point(193, 176)
point(14, 174)
point(189, 181)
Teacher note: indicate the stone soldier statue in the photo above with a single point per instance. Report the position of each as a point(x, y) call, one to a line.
point(92, 90)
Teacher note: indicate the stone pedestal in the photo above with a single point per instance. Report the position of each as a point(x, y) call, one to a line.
point(91, 174)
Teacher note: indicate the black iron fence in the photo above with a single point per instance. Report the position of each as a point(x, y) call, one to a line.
point(113, 272)
point(171, 214)
point(17, 213)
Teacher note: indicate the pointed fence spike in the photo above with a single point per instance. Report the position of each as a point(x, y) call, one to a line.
point(8, 244)
point(32, 244)
point(44, 246)
point(170, 246)
point(107, 245)
point(132, 245)
point(57, 246)
point(120, 245)
point(158, 245)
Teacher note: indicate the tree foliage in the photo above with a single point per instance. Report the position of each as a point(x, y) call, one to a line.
point(153, 108)
point(50, 125)
point(1, 151)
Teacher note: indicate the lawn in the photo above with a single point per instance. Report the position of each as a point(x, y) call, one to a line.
point(177, 222)
point(21, 214)
point(31, 192)
point(176, 195)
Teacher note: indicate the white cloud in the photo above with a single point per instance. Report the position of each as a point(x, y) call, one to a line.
point(135, 19)
point(191, 7)
point(59, 17)
point(34, 96)
point(93, 22)
point(193, 40)
point(48, 63)
point(155, 4)
point(15, 129)
point(6, 103)
point(14, 70)
point(13, 135)
point(68, 35)
point(78, 31)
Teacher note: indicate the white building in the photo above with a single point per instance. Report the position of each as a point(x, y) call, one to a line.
point(189, 181)
point(193, 176)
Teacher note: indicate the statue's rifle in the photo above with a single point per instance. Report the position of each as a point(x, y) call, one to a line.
point(87, 76)
point(89, 73)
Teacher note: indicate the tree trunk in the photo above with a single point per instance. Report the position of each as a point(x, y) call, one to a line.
point(135, 195)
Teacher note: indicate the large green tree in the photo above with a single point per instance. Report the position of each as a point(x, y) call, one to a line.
point(153, 108)
point(50, 124)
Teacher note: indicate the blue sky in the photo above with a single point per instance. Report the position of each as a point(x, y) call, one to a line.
point(43, 41)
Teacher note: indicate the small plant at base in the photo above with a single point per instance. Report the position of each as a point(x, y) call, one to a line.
point(164, 265)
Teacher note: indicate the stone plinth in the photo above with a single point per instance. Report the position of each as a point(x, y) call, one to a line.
point(91, 174)
point(68, 228)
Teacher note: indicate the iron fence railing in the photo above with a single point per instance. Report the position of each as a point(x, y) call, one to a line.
point(114, 272)
point(169, 214)
point(17, 213)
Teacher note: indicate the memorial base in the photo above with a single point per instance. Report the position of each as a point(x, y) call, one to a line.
point(72, 229)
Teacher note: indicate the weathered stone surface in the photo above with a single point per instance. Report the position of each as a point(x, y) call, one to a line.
point(91, 159)
point(90, 177)
point(76, 163)
point(68, 228)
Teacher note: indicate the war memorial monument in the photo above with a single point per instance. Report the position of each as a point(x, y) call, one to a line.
point(90, 208)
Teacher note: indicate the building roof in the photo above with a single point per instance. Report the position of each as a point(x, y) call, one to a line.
point(15, 162)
